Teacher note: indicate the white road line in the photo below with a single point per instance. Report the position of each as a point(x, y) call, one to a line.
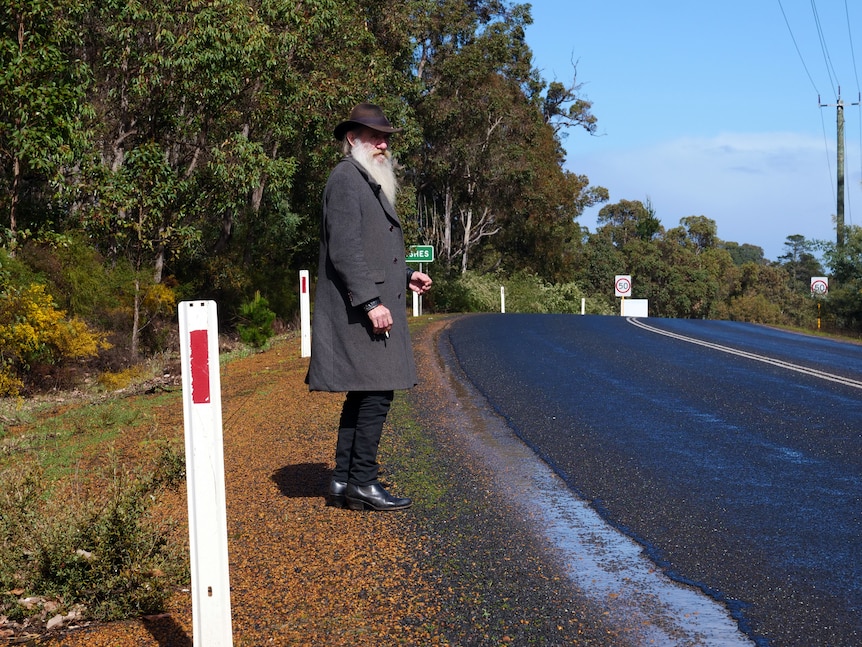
point(813, 372)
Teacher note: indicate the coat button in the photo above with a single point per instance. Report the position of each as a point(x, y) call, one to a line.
point(391, 227)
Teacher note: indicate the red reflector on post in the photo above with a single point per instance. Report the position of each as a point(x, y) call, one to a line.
point(200, 367)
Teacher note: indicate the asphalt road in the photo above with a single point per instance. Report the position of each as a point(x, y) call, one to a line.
point(731, 452)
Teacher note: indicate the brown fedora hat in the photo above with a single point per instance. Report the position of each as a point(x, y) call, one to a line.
point(365, 114)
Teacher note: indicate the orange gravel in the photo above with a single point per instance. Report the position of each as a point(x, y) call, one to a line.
point(445, 572)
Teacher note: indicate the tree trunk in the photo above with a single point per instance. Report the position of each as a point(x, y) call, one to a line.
point(159, 264)
point(136, 320)
point(447, 225)
point(13, 208)
point(468, 229)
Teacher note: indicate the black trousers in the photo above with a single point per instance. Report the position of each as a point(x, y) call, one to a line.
point(362, 416)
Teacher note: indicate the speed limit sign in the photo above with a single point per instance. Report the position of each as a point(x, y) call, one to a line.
point(819, 286)
point(623, 285)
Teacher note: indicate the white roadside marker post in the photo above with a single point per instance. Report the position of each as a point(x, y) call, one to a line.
point(304, 315)
point(211, 612)
point(417, 300)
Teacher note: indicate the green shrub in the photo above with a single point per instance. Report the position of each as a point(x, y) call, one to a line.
point(78, 278)
point(105, 553)
point(257, 319)
point(754, 308)
point(525, 292)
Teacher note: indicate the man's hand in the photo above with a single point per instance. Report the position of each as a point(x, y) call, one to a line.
point(420, 282)
point(381, 319)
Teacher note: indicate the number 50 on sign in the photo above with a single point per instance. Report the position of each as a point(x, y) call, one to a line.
point(623, 285)
point(819, 286)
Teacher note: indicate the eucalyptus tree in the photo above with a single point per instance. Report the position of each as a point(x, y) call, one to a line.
point(564, 106)
point(490, 169)
point(755, 292)
point(843, 305)
point(800, 261)
point(680, 270)
point(238, 97)
point(627, 220)
point(598, 260)
point(42, 102)
point(689, 276)
point(744, 253)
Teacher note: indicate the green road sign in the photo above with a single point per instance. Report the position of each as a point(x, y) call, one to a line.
point(420, 254)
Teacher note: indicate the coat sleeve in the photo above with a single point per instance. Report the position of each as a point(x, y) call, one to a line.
point(342, 227)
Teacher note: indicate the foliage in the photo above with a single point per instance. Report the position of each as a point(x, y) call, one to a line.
point(257, 319)
point(744, 253)
point(754, 308)
point(152, 150)
point(629, 220)
point(104, 552)
point(33, 331)
point(524, 292)
point(121, 379)
point(42, 102)
point(492, 190)
point(688, 271)
point(800, 261)
point(77, 276)
point(467, 292)
point(843, 305)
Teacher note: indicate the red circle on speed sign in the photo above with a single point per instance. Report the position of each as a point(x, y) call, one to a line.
point(819, 287)
point(623, 286)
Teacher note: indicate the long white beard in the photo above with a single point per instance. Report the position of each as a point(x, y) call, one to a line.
point(379, 166)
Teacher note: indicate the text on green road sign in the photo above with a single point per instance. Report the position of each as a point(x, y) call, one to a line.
point(420, 254)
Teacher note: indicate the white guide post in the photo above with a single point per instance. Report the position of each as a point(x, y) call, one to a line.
point(304, 314)
point(417, 300)
point(503, 299)
point(211, 613)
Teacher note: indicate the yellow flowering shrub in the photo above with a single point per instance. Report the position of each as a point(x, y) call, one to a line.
point(9, 384)
point(117, 381)
point(33, 330)
point(159, 299)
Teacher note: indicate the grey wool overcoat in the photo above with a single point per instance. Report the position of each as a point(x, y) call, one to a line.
point(362, 256)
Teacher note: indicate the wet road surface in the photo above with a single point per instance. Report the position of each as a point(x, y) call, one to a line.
point(732, 453)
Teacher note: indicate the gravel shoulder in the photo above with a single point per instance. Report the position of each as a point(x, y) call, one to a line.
point(464, 566)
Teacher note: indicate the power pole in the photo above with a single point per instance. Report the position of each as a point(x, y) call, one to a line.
point(839, 207)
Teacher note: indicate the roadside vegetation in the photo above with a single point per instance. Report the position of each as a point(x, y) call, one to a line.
point(159, 151)
point(84, 477)
point(79, 538)
point(152, 152)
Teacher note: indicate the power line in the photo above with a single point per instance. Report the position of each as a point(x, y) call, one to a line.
point(830, 70)
point(856, 75)
point(838, 192)
point(850, 36)
point(796, 45)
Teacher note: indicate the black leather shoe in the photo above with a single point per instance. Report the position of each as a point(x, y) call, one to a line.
point(335, 496)
point(374, 497)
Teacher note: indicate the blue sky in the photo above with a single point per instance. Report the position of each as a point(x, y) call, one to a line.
point(707, 108)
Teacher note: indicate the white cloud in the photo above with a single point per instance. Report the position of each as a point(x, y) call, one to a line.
point(759, 188)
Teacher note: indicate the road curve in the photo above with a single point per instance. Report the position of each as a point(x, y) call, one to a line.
point(731, 453)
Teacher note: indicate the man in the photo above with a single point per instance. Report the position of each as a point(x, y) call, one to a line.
point(360, 342)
